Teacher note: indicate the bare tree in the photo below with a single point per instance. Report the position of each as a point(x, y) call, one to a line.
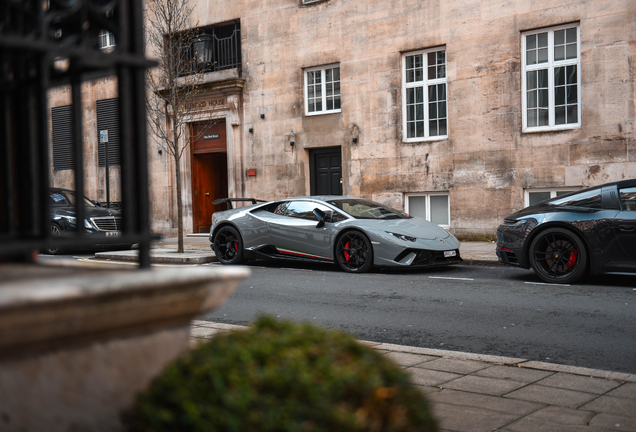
point(174, 84)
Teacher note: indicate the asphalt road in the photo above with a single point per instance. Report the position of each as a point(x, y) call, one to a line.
point(477, 309)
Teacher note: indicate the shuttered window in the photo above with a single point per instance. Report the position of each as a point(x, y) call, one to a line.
point(62, 122)
point(108, 120)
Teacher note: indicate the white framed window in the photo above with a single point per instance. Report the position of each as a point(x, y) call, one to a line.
point(424, 95)
point(534, 196)
point(106, 39)
point(322, 90)
point(434, 207)
point(551, 78)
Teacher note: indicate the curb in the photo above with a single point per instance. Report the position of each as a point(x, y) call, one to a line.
point(458, 355)
point(161, 256)
point(483, 262)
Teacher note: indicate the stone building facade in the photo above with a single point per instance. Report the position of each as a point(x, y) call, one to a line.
point(458, 111)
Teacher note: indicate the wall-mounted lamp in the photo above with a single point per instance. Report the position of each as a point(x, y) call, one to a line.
point(355, 133)
point(251, 130)
point(292, 138)
point(262, 116)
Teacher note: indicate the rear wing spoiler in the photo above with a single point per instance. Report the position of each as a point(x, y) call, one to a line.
point(229, 201)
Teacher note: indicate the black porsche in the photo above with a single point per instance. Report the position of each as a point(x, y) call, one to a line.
point(563, 238)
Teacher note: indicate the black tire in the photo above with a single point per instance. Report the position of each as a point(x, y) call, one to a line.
point(228, 246)
point(55, 232)
point(354, 252)
point(557, 255)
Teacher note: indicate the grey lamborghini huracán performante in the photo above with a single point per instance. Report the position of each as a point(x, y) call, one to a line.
point(355, 233)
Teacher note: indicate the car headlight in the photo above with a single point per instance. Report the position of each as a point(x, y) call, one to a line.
point(88, 224)
point(69, 219)
point(402, 236)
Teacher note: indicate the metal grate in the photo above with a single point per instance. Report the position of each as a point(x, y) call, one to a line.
point(108, 223)
point(108, 120)
point(44, 44)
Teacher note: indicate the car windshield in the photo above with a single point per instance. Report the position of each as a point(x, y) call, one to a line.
point(364, 209)
point(66, 199)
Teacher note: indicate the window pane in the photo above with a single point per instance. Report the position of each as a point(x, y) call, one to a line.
point(432, 128)
point(439, 210)
point(419, 130)
point(441, 71)
point(571, 94)
point(417, 206)
point(571, 72)
point(432, 72)
point(543, 98)
point(443, 130)
point(410, 113)
point(559, 115)
point(543, 78)
point(432, 110)
point(329, 89)
point(559, 37)
point(543, 40)
point(419, 94)
point(432, 93)
point(559, 53)
point(571, 35)
point(537, 197)
point(318, 105)
point(573, 115)
point(336, 104)
point(329, 103)
point(310, 92)
point(543, 117)
point(559, 96)
point(441, 91)
point(432, 61)
point(410, 76)
point(410, 95)
point(441, 109)
point(328, 73)
point(311, 106)
point(532, 118)
point(419, 111)
point(310, 78)
point(532, 99)
point(559, 76)
point(531, 57)
point(419, 74)
point(410, 130)
point(590, 199)
point(318, 91)
point(336, 74)
point(531, 42)
point(409, 62)
point(531, 79)
point(628, 199)
point(570, 51)
point(542, 55)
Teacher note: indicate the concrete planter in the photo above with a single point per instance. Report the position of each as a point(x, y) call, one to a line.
point(78, 343)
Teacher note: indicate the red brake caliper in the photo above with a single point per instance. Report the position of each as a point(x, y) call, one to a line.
point(235, 245)
point(346, 254)
point(573, 256)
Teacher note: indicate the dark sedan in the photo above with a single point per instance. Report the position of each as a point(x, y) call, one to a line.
point(99, 222)
point(563, 238)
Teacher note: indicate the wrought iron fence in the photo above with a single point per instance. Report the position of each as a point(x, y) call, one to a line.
point(48, 43)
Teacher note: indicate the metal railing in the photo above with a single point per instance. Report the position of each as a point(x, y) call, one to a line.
point(47, 44)
point(219, 53)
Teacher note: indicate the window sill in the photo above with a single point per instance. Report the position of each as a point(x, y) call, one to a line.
point(551, 129)
point(427, 140)
point(322, 113)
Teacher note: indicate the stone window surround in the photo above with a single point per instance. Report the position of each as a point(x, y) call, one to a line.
point(324, 95)
point(554, 192)
point(428, 196)
point(425, 84)
point(550, 65)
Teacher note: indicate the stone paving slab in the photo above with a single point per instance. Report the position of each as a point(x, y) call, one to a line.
point(504, 394)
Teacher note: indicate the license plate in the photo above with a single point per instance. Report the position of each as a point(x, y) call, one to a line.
point(113, 233)
point(450, 254)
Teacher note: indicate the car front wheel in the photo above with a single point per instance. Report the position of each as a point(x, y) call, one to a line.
point(55, 232)
point(228, 246)
point(354, 252)
point(558, 256)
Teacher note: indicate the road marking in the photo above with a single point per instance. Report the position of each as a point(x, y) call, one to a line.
point(544, 283)
point(451, 278)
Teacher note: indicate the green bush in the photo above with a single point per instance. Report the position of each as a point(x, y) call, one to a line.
point(280, 376)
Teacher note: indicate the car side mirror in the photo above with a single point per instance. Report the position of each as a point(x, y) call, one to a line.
point(321, 217)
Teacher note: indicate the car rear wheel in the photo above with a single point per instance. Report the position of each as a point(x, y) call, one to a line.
point(354, 252)
point(55, 232)
point(558, 256)
point(228, 246)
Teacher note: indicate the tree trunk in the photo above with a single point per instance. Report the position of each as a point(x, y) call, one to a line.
point(177, 166)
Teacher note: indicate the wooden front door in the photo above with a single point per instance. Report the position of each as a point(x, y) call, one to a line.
point(325, 171)
point(209, 172)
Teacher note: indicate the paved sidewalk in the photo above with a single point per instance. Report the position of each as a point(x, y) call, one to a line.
point(197, 250)
point(474, 393)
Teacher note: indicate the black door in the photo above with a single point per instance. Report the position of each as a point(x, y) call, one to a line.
point(325, 171)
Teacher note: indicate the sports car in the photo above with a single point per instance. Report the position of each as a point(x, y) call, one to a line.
point(561, 239)
point(355, 233)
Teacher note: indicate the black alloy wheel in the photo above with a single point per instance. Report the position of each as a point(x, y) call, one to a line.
point(354, 252)
point(55, 232)
point(557, 255)
point(228, 246)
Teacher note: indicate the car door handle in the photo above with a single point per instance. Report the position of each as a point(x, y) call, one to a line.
point(626, 227)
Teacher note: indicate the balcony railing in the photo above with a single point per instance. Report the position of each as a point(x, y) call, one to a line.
point(211, 53)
